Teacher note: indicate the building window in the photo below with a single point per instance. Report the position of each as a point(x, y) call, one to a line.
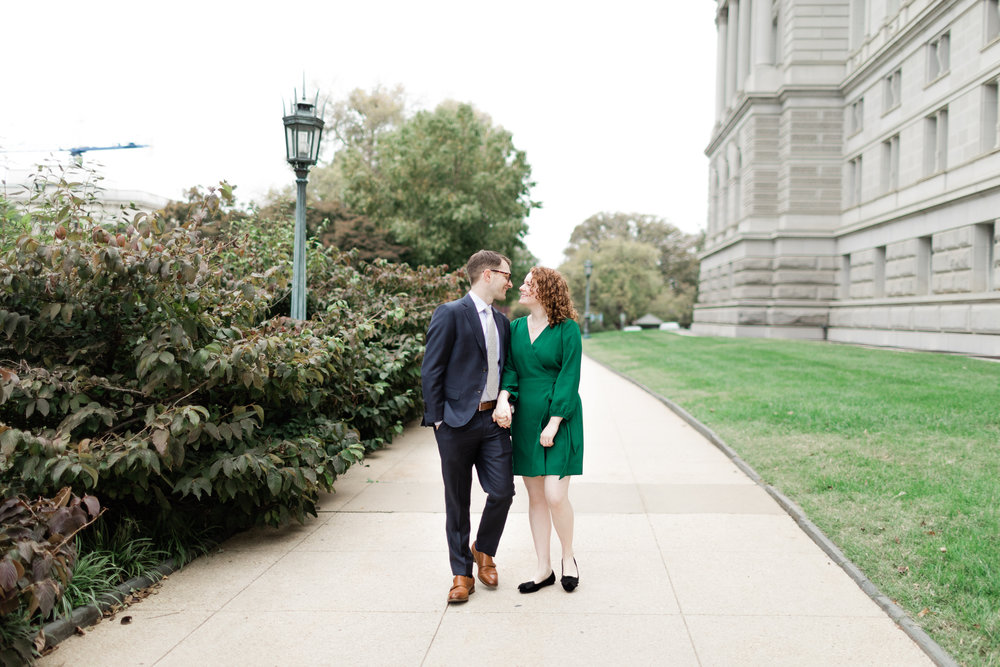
point(845, 276)
point(923, 268)
point(990, 133)
point(983, 257)
point(992, 19)
point(775, 37)
point(891, 90)
point(878, 272)
point(890, 164)
point(738, 188)
point(854, 181)
point(938, 57)
point(724, 196)
point(936, 142)
point(856, 116)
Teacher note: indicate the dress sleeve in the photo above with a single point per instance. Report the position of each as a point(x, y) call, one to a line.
point(509, 378)
point(566, 393)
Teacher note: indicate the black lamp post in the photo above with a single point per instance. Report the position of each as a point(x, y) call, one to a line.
point(588, 268)
point(303, 132)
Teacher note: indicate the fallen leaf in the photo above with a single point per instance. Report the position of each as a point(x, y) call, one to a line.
point(126, 620)
point(923, 612)
point(902, 569)
point(79, 631)
point(931, 532)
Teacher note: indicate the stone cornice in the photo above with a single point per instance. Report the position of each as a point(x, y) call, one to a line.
point(779, 97)
point(892, 48)
point(766, 236)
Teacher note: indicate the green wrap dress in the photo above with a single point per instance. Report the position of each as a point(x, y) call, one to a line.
point(543, 379)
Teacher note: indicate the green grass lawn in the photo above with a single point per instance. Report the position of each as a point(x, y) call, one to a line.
point(895, 455)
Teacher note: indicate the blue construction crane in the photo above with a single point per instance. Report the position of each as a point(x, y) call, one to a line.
point(78, 152)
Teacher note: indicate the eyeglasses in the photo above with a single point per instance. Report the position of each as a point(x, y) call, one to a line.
point(505, 274)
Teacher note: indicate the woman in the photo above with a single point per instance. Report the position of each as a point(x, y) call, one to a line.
point(542, 375)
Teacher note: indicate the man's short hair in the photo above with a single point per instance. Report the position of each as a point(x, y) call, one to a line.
point(482, 260)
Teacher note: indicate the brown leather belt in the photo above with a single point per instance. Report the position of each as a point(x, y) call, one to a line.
point(488, 405)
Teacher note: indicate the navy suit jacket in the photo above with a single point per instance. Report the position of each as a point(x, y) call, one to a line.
point(453, 373)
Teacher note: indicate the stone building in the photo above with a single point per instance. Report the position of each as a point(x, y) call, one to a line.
point(855, 174)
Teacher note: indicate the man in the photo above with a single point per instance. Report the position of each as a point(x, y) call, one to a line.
point(467, 342)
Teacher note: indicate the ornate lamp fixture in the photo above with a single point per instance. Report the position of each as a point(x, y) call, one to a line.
point(303, 133)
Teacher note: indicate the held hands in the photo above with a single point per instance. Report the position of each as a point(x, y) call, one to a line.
point(503, 413)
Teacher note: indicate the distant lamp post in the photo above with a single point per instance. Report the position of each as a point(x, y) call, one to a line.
point(303, 132)
point(588, 268)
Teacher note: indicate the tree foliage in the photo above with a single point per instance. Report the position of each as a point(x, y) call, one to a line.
point(331, 223)
point(647, 243)
point(151, 365)
point(445, 183)
point(677, 260)
point(625, 280)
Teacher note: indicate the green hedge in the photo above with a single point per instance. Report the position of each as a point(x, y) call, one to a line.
point(147, 363)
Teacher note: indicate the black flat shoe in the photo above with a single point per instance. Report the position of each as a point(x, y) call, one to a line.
point(531, 586)
point(569, 583)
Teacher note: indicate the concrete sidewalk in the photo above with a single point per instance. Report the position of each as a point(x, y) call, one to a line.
point(683, 561)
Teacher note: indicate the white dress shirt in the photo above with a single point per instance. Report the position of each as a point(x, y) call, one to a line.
point(486, 320)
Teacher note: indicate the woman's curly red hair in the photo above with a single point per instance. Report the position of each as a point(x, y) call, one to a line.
point(553, 294)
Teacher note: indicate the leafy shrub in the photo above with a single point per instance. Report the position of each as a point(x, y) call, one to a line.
point(37, 555)
point(146, 362)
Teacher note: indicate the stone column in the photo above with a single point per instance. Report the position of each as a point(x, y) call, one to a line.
point(743, 39)
point(763, 52)
point(720, 67)
point(731, 50)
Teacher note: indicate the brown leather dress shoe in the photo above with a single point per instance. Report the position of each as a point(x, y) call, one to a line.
point(461, 588)
point(487, 569)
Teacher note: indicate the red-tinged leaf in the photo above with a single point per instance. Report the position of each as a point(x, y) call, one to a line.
point(8, 575)
point(47, 592)
point(92, 504)
point(61, 499)
point(160, 437)
point(41, 568)
point(67, 520)
point(923, 612)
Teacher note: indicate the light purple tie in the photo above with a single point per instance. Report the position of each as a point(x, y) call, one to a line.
point(492, 358)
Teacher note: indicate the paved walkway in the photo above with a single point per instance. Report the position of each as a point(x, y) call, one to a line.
point(683, 561)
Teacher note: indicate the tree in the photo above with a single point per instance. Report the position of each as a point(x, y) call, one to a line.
point(353, 129)
point(358, 122)
point(446, 183)
point(625, 279)
point(677, 261)
point(335, 225)
point(676, 257)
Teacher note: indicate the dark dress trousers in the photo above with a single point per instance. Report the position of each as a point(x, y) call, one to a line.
point(453, 376)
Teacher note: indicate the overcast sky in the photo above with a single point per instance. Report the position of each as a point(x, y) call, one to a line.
point(613, 102)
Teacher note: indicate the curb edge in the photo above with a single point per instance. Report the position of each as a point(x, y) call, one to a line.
point(894, 611)
point(61, 628)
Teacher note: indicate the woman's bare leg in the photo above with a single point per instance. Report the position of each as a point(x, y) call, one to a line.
point(557, 499)
point(541, 525)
